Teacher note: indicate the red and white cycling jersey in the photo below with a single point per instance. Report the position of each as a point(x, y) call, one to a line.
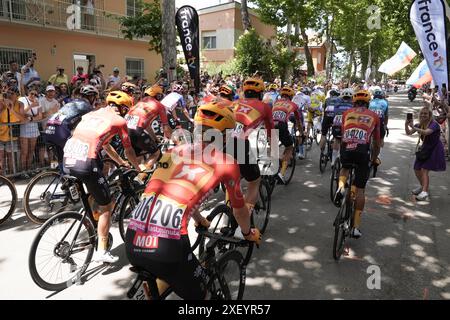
point(250, 114)
point(144, 112)
point(94, 131)
point(183, 180)
point(359, 125)
point(283, 108)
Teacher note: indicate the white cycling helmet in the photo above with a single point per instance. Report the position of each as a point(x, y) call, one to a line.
point(347, 93)
point(89, 90)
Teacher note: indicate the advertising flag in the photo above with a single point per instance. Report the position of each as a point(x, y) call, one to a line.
point(400, 60)
point(187, 24)
point(420, 76)
point(428, 18)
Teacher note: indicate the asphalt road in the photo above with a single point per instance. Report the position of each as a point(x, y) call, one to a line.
point(406, 241)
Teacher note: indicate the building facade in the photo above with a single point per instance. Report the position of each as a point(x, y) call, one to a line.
point(221, 27)
point(69, 35)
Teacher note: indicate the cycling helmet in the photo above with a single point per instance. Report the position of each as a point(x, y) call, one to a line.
point(347, 93)
point(273, 86)
point(253, 84)
point(215, 114)
point(378, 93)
point(306, 90)
point(361, 96)
point(153, 91)
point(177, 88)
point(89, 90)
point(334, 93)
point(227, 90)
point(128, 87)
point(288, 91)
point(120, 99)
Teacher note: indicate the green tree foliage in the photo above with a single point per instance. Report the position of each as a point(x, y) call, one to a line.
point(252, 54)
point(146, 22)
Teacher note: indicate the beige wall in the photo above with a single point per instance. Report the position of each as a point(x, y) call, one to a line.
point(118, 6)
point(217, 20)
point(319, 65)
point(217, 56)
point(108, 51)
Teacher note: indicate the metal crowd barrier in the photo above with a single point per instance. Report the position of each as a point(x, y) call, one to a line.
point(16, 146)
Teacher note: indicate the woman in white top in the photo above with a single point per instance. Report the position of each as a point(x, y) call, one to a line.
point(29, 132)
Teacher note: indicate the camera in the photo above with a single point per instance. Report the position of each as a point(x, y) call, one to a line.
point(409, 116)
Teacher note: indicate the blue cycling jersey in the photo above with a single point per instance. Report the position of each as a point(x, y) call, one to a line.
point(380, 107)
point(60, 125)
point(330, 105)
point(339, 110)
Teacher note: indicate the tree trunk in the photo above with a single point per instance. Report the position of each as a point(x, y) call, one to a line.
point(246, 24)
point(169, 44)
point(349, 68)
point(309, 60)
point(329, 46)
point(288, 71)
point(296, 34)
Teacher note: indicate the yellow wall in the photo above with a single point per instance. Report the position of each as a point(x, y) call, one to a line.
point(107, 50)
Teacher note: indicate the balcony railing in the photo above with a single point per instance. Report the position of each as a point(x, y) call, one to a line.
point(61, 14)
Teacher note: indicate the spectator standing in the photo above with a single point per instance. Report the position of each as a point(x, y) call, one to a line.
point(80, 77)
point(29, 132)
point(430, 155)
point(114, 78)
point(49, 106)
point(13, 72)
point(63, 94)
point(29, 73)
point(11, 111)
point(59, 77)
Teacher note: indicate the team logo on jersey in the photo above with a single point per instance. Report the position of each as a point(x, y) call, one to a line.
point(244, 109)
point(189, 173)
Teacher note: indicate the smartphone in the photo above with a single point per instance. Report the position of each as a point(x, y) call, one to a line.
point(409, 116)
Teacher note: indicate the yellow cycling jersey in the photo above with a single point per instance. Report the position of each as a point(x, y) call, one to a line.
point(316, 101)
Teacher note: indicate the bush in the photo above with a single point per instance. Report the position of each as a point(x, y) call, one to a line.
point(252, 54)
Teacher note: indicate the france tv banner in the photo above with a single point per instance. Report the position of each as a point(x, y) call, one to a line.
point(188, 30)
point(428, 18)
point(401, 59)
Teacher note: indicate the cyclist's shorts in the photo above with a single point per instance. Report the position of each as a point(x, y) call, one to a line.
point(337, 132)
point(91, 174)
point(313, 114)
point(56, 135)
point(247, 161)
point(382, 131)
point(172, 122)
point(284, 135)
point(361, 160)
point(327, 122)
point(142, 142)
point(185, 275)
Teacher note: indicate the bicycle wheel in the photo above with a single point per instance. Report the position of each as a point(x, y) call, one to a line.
point(59, 255)
point(128, 205)
point(309, 141)
point(230, 275)
point(8, 198)
point(261, 212)
point(339, 233)
point(334, 179)
point(290, 169)
point(222, 221)
point(317, 136)
point(322, 162)
point(44, 197)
